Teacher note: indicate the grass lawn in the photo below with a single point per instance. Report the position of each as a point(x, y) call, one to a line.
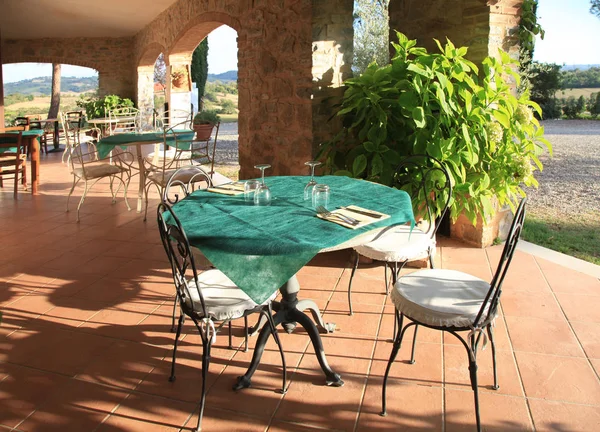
point(228, 118)
point(575, 235)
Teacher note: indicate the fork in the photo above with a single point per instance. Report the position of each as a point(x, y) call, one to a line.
point(326, 214)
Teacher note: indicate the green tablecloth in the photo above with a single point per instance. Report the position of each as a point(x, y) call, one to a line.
point(107, 144)
point(260, 248)
point(31, 132)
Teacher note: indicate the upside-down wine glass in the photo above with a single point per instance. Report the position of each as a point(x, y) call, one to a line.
point(262, 196)
point(311, 183)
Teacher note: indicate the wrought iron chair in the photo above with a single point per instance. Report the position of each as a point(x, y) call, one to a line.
point(13, 157)
point(124, 120)
point(400, 245)
point(164, 119)
point(161, 165)
point(206, 298)
point(454, 302)
point(71, 123)
point(87, 167)
point(22, 121)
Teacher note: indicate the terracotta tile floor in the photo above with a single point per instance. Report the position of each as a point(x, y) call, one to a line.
point(85, 342)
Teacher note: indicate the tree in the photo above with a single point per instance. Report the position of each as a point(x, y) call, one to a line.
point(160, 70)
point(371, 34)
point(200, 69)
point(545, 80)
point(595, 7)
point(55, 96)
point(595, 105)
point(528, 30)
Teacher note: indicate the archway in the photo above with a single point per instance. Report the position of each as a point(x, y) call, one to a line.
point(145, 81)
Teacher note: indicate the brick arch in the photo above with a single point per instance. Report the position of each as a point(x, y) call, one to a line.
point(150, 53)
point(197, 29)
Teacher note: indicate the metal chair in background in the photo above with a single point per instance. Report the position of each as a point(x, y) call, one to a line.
point(209, 299)
point(428, 183)
point(176, 151)
point(165, 119)
point(454, 302)
point(124, 120)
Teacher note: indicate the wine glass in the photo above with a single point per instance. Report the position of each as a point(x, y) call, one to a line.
point(262, 196)
point(311, 183)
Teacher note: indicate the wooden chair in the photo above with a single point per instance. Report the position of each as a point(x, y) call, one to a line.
point(13, 155)
point(35, 123)
point(22, 122)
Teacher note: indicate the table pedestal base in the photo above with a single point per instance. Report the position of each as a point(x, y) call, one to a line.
point(288, 314)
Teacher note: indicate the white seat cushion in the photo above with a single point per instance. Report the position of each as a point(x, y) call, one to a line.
point(441, 298)
point(184, 176)
point(223, 299)
point(399, 244)
point(99, 170)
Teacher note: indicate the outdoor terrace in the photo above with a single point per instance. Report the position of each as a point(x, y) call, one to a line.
point(85, 342)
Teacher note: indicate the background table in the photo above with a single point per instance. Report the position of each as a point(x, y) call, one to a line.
point(107, 145)
point(261, 248)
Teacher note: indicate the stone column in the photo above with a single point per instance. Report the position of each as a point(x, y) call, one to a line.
point(180, 98)
point(464, 22)
point(332, 53)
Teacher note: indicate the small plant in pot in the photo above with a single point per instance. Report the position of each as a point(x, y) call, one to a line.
point(203, 124)
point(179, 77)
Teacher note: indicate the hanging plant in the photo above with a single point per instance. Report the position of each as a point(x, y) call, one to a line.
point(436, 103)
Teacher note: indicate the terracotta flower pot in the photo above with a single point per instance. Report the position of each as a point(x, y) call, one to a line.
point(203, 131)
point(178, 82)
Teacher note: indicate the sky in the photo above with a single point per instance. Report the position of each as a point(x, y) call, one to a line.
point(222, 57)
point(572, 36)
point(572, 33)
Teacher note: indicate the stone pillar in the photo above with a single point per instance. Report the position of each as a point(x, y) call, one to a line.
point(464, 22)
point(332, 53)
point(180, 98)
point(145, 94)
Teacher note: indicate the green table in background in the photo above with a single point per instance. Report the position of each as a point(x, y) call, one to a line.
point(261, 248)
point(30, 139)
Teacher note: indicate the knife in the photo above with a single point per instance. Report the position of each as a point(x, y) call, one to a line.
point(225, 187)
point(362, 212)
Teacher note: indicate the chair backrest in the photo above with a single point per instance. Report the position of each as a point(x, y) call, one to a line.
point(34, 121)
point(164, 119)
point(124, 120)
point(11, 144)
point(186, 179)
point(176, 150)
point(178, 251)
point(75, 119)
point(492, 299)
point(77, 158)
point(23, 122)
point(428, 183)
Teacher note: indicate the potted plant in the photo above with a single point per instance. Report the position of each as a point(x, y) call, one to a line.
point(179, 77)
point(203, 124)
point(440, 104)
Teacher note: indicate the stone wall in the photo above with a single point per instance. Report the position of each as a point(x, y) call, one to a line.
point(111, 57)
point(274, 72)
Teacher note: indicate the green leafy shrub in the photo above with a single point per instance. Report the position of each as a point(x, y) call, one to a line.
point(227, 107)
point(435, 103)
point(96, 107)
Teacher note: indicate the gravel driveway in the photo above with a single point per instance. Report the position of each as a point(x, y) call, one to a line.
point(570, 181)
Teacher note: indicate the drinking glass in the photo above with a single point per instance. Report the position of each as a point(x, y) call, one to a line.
point(262, 196)
point(311, 183)
point(250, 188)
point(320, 196)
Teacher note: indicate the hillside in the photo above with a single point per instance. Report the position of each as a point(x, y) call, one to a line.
point(225, 76)
point(43, 85)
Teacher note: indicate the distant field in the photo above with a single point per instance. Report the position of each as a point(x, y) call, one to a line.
point(586, 92)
